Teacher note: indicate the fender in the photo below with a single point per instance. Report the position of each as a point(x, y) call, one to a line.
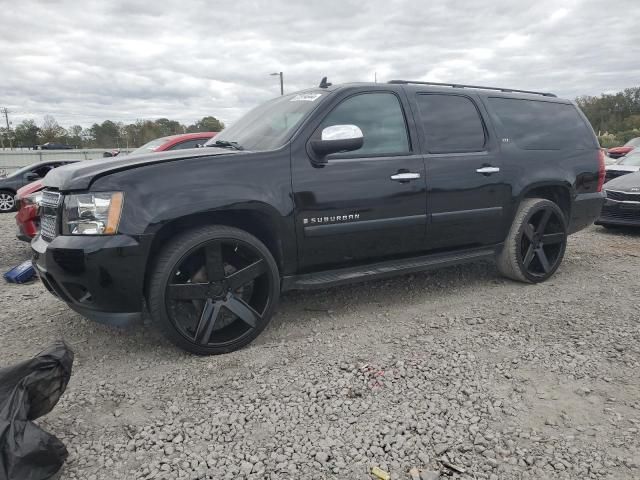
point(164, 192)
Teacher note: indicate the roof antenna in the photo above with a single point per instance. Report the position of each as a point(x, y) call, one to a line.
point(324, 83)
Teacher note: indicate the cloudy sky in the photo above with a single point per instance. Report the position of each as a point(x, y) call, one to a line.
point(84, 61)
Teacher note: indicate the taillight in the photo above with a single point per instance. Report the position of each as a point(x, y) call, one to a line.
point(601, 169)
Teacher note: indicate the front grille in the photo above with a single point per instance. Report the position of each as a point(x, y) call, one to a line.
point(619, 196)
point(613, 212)
point(50, 199)
point(48, 228)
point(49, 218)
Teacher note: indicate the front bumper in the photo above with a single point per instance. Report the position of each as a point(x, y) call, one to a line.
point(101, 277)
point(585, 210)
point(620, 213)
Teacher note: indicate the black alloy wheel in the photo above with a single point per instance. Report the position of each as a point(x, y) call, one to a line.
point(543, 242)
point(215, 290)
point(535, 245)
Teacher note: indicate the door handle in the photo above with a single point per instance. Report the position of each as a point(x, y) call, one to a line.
point(488, 170)
point(405, 176)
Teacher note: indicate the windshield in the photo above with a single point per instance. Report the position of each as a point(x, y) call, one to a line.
point(22, 171)
point(268, 126)
point(630, 160)
point(634, 142)
point(149, 147)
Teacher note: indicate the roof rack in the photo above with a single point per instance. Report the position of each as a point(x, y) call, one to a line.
point(459, 85)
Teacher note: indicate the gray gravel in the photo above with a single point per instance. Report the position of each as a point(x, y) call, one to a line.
point(450, 374)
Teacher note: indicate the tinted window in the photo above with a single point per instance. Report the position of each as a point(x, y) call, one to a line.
point(536, 125)
point(43, 170)
point(380, 118)
point(189, 144)
point(451, 123)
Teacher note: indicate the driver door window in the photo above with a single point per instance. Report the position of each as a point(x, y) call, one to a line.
point(381, 120)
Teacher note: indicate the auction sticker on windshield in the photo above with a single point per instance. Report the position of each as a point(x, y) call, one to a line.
point(306, 97)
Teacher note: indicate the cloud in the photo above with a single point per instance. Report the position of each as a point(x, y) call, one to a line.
point(558, 14)
point(87, 61)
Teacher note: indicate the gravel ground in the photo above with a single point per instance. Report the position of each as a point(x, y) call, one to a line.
point(457, 373)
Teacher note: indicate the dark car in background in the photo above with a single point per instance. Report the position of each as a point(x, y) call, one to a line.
point(622, 203)
point(54, 146)
point(628, 164)
point(172, 142)
point(617, 152)
point(10, 184)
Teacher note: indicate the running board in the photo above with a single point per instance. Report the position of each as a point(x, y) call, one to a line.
point(389, 268)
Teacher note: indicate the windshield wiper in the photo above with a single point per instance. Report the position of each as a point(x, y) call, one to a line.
point(226, 144)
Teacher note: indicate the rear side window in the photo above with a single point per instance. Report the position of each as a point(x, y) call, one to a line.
point(537, 125)
point(451, 123)
point(379, 116)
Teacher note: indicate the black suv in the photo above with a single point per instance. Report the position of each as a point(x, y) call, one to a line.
point(319, 188)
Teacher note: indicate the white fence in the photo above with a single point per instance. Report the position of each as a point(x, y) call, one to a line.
point(11, 160)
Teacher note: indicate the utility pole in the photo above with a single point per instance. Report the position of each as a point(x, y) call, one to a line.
point(281, 81)
point(6, 118)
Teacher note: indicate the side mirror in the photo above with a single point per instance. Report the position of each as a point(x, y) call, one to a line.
point(31, 176)
point(337, 138)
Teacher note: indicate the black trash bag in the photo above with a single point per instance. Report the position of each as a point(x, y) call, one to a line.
point(28, 391)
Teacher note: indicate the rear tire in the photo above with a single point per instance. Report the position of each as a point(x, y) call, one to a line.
point(212, 290)
point(7, 201)
point(535, 245)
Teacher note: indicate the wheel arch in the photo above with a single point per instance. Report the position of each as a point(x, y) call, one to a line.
point(257, 222)
point(560, 193)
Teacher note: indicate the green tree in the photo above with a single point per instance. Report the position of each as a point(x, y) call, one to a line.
point(27, 133)
point(206, 124)
point(105, 135)
point(612, 112)
point(169, 127)
point(51, 131)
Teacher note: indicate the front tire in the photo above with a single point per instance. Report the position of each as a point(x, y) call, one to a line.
point(213, 290)
point(7, 201)
point(535, 245)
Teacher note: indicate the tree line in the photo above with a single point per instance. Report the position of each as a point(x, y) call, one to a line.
point(108, 134)
point(614, 117)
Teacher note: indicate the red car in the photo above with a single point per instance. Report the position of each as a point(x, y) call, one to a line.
point(172, 142)
point(29, 197)
point(617, 152)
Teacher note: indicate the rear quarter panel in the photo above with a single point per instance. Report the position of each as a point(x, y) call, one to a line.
point(573, 169)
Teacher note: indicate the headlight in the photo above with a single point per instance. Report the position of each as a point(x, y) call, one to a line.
point(33, 199)
point(92, 213)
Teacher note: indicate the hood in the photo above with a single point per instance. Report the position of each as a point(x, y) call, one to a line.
point(626, 183)
point(78, 176)
point(623, 168)
point(29, 188)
